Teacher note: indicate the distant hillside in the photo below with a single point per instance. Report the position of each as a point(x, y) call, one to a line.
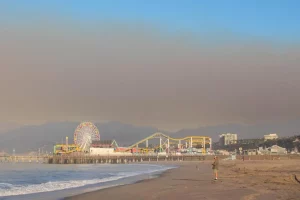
point(244, 131)
point(8, 126)
point(30, 138)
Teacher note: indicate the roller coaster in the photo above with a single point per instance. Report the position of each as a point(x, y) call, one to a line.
point(165, 141)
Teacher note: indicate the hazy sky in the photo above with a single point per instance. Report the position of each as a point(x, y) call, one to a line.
point(166, 64)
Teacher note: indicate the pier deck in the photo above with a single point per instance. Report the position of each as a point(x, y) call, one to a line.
point(87, 159)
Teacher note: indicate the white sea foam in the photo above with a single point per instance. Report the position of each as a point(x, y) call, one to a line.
point(7, 189)
point(52, 186)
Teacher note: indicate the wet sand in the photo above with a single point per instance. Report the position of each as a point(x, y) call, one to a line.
point(246, 180)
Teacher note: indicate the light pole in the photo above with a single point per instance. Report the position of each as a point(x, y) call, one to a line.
point(14, 151)
point(43, 149)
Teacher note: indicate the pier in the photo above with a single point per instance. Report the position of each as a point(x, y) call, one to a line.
point(88, 159)
point(24, 159)
point(119, 159)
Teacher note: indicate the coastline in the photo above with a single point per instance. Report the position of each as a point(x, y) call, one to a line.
point(150, 177)
point(172, 184)
point(59, 181)
point(237, 180)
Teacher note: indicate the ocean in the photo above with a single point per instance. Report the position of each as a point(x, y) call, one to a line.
point(26, 181)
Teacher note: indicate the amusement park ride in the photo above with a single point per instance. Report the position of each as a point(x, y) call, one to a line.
point(87, 132)
point(84, 134)
point(165, 142)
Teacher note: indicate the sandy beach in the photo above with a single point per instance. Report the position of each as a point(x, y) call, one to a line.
point(245, 180)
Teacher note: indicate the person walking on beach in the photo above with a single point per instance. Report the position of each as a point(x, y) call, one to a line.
point(215, 167)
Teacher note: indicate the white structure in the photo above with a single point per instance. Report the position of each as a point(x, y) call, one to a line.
point(275, 149)
point(296, 141)
point(228, 138)
point(101, 151)
point(223, 152)
point(95, 151)
point(271, 136)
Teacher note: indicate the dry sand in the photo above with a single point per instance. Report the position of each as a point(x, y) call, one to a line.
point(246, 180)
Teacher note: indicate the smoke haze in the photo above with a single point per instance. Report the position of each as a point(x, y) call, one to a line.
point(144, 76)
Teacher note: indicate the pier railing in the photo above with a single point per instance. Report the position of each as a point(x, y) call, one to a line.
point(88, 159)
point(120, 159)
point(24, 159)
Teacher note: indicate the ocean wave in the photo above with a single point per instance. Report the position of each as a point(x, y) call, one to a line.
point(7, 189)
point(6, 186)
point(13, 190)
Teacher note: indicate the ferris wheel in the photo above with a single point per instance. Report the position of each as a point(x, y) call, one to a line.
point(85, 133)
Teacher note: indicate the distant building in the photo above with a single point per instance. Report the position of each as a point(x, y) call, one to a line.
point(271, 136)
point(108, 148)
point(104, 144)
point(222, 152)
point(296, 144)
point(228, 138)
point(275, 149)
point(101, 151)
point(121, 149)
point(250, 152)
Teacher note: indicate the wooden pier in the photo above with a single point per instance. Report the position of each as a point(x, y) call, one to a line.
point(119, 159)
point(155, 158)
point(86, 159)
point(24, 159)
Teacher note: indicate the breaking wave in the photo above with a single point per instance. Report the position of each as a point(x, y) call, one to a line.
point(7, 189)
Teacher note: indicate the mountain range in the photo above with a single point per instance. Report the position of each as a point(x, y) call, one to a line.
point(31, 138)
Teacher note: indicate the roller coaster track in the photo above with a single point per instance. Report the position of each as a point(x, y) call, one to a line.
point(161, 135)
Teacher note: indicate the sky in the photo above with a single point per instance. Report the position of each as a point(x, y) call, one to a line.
point(166, 64)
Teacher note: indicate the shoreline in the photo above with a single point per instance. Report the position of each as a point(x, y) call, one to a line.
point(147, 188)
point(237, 180)
point(153, 175)
point(90, 178)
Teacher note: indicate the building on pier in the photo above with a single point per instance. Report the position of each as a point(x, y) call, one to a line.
point(65, 149)
point(103, 147)
point(105, 144)
point(101, 151)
